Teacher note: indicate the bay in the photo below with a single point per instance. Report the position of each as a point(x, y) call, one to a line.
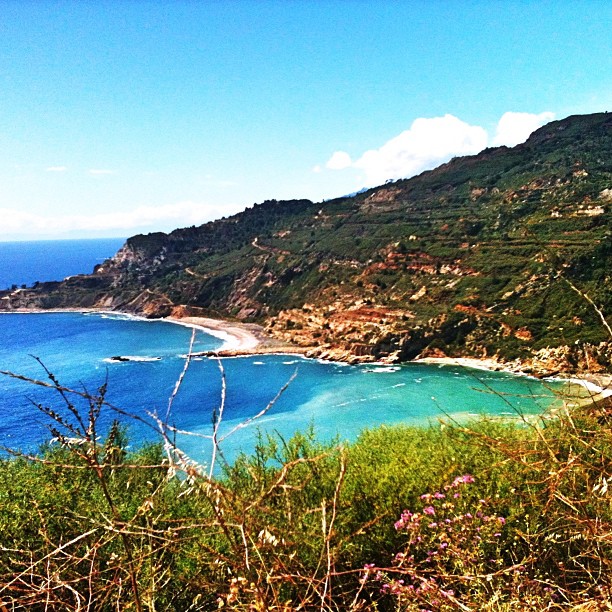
point(337, 399)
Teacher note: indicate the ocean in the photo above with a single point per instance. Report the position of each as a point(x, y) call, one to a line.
point(23, 263)
point(338, 400)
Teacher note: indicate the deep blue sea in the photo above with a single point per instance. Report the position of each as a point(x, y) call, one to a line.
point(23, 263)
point(337, 399)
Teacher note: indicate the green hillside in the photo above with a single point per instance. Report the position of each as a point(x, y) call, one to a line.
point(476, 257)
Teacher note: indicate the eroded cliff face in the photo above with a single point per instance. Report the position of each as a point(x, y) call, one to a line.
point(139, 255)
point(362, 333)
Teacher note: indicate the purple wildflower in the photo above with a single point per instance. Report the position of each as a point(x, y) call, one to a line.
point(465, 479)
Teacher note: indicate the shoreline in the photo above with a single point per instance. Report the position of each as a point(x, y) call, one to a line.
point(244, 339)
point(240, 339)
point(597, 387)
point(234, 337)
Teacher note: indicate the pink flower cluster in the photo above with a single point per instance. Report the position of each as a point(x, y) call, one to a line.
point(446, 539)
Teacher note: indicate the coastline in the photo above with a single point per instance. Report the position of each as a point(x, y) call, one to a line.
point(235, 337)
point(596, 387)
point(243, 339)
point(468, 362)
point(240, 339)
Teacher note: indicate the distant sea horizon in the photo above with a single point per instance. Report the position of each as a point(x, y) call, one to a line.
point(25, 262)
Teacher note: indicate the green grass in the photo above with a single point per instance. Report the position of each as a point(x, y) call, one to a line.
point(95, 522)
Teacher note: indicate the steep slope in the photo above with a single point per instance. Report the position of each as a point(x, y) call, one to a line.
point(484, 255)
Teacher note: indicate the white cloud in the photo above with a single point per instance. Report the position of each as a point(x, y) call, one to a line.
point(430, 142)
point(514, 128)
point(427, 144)
point(339, 161)
point(141, 218)
point(56, 169)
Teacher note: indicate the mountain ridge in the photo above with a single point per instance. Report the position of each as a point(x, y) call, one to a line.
point(486, 255)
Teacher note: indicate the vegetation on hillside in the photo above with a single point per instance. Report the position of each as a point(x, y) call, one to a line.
point(475, 257)
point(486, 517)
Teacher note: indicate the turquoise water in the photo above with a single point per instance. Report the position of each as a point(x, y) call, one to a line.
point(23, 263)
point(339, 400)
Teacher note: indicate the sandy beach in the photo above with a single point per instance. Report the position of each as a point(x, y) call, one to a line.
point(467, 362)
point(239, 338)
point(235, 336)
point(596, 387)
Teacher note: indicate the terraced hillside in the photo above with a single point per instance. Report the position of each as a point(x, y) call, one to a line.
point(500, 253)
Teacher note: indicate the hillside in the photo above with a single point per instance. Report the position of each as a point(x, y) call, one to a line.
point(483, 256)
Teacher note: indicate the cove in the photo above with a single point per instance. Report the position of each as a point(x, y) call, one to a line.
point(338, 400)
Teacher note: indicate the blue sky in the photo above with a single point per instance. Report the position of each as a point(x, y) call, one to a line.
point(128, 117)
